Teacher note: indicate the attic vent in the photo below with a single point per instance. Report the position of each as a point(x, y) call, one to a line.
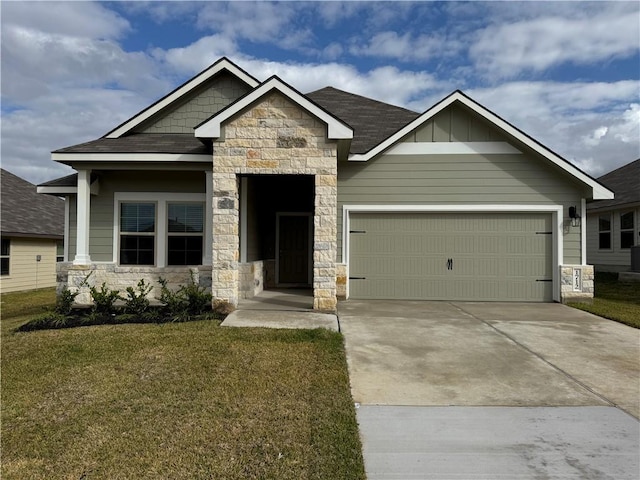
point(291, 142)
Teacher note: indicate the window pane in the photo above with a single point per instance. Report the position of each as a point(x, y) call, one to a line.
point(137, 250)
point(605, 223)
point(626, 221)
point(137, 217)
point(626, 239)
point(184, 250)
point(6, 246)
point(185, 217)
point(605, 241)
point(4, 266)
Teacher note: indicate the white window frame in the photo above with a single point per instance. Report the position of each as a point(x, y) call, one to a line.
point(186, 234)
point(611, 239)
point(632, 229)
point(153, 234)
point(161, 199)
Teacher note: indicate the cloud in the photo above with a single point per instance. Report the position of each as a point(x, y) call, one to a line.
point(534, 45)
point(406, 47)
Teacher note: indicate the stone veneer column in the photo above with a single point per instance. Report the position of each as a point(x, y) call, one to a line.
point(274, 137)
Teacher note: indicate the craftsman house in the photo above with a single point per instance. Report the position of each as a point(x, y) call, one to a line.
point(253, 185)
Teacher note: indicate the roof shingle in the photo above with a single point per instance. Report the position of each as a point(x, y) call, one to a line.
point(142, 143)
point(625, 184)
point(28, 213)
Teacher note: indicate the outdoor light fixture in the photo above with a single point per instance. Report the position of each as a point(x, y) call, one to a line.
point(574, 216)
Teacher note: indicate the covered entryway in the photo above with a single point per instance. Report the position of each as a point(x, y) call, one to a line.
point(451, 256)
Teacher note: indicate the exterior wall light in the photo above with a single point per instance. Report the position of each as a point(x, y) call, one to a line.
point(574, 216)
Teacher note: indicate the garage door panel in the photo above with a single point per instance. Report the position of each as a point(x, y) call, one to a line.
point(494, 256)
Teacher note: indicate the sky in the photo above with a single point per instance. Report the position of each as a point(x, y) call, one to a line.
point(566, 73)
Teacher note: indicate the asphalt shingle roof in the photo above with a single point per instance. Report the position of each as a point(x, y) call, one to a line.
point(24, 212)
point(625, 184)
point(142, 143)
point(372, 121)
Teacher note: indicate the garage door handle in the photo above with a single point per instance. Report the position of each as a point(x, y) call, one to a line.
point(357, 278)
point(544, 280)
point(450, 264)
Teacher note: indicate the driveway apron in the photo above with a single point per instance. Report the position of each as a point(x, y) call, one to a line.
point(436, 382)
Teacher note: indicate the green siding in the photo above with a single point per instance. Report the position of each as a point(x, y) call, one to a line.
point(102, 206)
point(199, 105)
point(615, 258)
point(452, 256)
point(458, 179)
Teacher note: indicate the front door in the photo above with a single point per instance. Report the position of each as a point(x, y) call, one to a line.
point(293, 249)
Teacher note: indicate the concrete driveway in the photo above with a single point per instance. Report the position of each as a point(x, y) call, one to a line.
point(436, 383)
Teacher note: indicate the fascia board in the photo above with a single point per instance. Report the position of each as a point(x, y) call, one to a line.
point(336, 130)
point(129, 157)
point(50, 190)
point(223, 64)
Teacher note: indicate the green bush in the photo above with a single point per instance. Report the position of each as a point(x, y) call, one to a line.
point(104, 299)
point(136, 302)
point(64, 301)
point(188, 301)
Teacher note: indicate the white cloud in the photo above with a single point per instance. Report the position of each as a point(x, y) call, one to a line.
point(506, 50)
point(406, 47)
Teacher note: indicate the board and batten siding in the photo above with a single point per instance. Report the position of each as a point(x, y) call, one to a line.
point(25, 272)
point(102, 207)
point(615, 258)
point(200, 104)
point(502, 179)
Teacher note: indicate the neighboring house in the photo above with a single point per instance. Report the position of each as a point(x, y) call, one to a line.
point(32, 235)
point(252, 185)
point(613, 226)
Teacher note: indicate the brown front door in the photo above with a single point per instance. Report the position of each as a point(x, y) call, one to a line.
point(293, 261)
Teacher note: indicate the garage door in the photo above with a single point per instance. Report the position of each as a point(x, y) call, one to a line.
point(480, 257)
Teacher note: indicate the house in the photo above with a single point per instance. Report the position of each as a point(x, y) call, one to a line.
point(250, 185)
point(613, 226)
point(32, 235)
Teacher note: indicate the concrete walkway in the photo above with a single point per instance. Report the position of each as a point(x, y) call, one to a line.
point(438, 384)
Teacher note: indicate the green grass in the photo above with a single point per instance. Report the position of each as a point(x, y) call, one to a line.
point(619, 301)
point(179, 400)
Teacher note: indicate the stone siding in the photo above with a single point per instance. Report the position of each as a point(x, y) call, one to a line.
point(341, 281)
point(274, 136)
point(251, 279)
point(119, 278)
point(580, 292)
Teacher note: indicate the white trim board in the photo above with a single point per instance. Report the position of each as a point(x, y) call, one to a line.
point(131, 157)
point(555, 210)
point(453, 148)
point(222, 64)
point(336, 129)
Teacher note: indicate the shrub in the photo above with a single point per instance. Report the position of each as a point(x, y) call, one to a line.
point(104, 299)
point(174, 304)
point(45, 321)
point(197, 298)
point(64, 301)
point(189, 300)
point(136, 302)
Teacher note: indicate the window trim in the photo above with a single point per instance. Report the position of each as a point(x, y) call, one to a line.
point(632, 229)
point(161, 199)
point(153, 234)
point(610, 232)
point(7, 256)
point(200, 234)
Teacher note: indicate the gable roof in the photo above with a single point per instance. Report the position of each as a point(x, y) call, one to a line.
point(25, 213)
point(223, 64)
point(599, 191)
point(336, 128)
point(625, 183)
point(372, 121)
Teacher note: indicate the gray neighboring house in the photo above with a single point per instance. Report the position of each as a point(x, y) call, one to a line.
point(32, 235)
point(251, 185)
point(613, 226)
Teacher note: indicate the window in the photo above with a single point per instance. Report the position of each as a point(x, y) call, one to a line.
point(604, 229)
point(4, 256)
point(137, 233)
point(626, 230)
point(185, 225)
point(59, 251)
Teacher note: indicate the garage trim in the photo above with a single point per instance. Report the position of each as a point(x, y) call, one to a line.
point(555, 210)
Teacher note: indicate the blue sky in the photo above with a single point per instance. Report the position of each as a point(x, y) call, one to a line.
point(567, 73)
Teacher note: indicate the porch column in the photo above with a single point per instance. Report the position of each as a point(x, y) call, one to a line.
point(208, 218)
point(84, 214)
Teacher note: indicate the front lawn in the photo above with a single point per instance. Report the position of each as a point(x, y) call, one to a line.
point(177, 400)
point(619, 301)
